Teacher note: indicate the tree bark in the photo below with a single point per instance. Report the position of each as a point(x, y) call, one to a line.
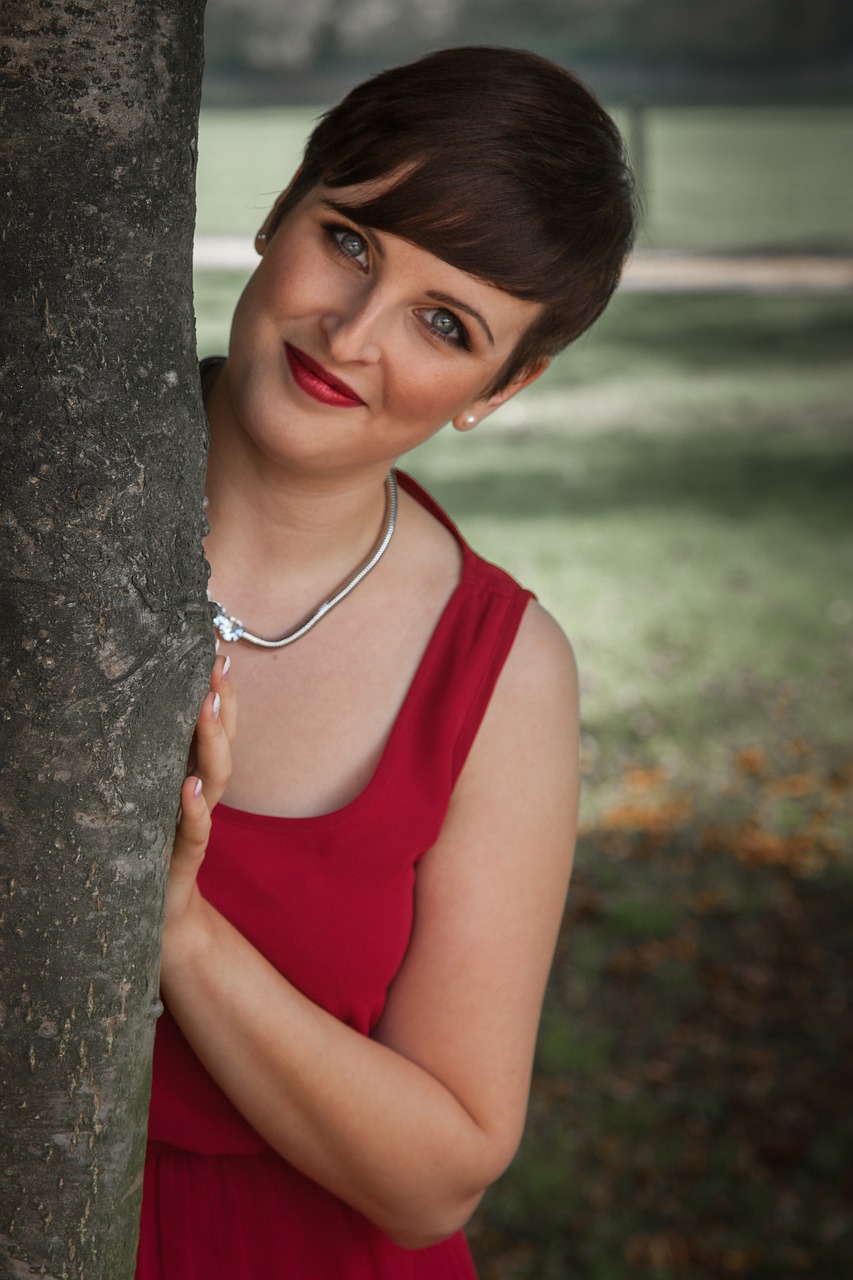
point(106, 639)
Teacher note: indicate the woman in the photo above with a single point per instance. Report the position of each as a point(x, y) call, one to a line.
point(357, 942)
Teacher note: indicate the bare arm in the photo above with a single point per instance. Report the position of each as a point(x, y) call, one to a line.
point(411, 1126)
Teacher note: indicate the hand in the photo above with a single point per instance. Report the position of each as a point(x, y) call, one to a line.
point(209, 768)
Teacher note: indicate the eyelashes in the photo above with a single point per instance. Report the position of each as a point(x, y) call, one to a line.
point(457, 335)
point(440, 323)
point(349, 244)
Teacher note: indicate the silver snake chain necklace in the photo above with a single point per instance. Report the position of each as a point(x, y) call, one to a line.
point(231, 628)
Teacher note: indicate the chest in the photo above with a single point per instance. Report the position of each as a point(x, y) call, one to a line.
point(315, 716)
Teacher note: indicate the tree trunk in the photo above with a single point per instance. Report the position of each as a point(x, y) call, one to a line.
point(106, 642)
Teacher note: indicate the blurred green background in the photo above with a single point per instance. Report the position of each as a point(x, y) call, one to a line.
point(678, 490)
point(715, 177)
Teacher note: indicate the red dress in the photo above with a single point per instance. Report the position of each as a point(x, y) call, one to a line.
point(329, 900)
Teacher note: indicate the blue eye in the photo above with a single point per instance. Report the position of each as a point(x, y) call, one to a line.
point(445, 325)
point(350, 244)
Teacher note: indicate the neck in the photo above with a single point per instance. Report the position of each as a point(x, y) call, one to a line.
point(283, 533)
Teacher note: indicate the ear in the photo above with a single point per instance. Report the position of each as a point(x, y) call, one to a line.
point(481, 409)
point(263, 236)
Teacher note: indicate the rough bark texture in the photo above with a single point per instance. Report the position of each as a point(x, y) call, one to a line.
point(106, 642)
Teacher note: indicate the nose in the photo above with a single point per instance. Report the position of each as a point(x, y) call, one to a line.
point(354, 325)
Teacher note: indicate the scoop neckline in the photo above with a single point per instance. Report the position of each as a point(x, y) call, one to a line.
point(250, 818)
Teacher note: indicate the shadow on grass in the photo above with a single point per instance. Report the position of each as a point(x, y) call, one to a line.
point(635, 472)
point(689, 333)
point(692, 1108)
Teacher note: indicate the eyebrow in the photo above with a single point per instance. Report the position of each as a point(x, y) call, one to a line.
point(449, 301)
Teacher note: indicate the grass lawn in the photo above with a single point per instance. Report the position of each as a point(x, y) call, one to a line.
point(245, 158)
point(757, 178)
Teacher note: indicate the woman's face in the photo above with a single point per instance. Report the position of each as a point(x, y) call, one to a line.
point(351, 346)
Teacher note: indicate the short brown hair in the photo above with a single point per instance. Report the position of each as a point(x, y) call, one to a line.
point(510, 171)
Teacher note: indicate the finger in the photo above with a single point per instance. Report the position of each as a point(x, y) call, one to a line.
point(212, 749)
point(220, 682)
point(193, 827)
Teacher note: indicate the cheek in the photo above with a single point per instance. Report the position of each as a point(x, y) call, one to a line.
point(422, 391)
point(288, 281)
point(422, 383)
point(253, 314)
point(245, 304)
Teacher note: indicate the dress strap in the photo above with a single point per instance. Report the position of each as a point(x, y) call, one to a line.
point(462, 664)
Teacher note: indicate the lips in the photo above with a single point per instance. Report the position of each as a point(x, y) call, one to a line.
point(317, 382)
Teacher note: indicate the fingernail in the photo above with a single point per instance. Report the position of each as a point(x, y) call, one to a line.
point(226, 667)
point(216, 701)
point(197, 788)
point(216, 642)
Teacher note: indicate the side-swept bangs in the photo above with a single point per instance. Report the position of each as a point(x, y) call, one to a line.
point(500, 163)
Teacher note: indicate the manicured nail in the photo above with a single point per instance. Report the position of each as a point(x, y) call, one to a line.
point(216, 702)
point(197, 788)
point(226, 667)
point(216, 642)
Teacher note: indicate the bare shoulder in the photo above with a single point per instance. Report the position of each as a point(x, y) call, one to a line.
point(535, 702)
point(542, 653)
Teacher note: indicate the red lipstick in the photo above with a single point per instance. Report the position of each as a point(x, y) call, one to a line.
point(317, 382)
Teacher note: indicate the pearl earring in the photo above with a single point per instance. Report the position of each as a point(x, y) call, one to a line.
point(261, 240)
point(470, 420)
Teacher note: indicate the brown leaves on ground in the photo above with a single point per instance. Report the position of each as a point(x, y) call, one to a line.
point(790, 822)
point(692, 1108)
